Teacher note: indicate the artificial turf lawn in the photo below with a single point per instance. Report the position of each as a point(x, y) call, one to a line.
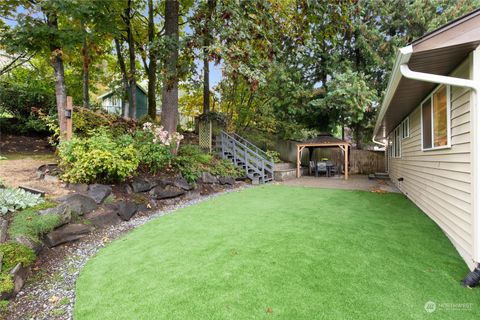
point(281, 252)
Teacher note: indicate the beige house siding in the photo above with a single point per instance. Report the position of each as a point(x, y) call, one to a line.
point(439, 181)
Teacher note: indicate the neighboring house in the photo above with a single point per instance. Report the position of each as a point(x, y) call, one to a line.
point(112, 102)
point(430, 122)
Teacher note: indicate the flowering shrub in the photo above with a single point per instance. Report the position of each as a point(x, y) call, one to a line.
point(162, 137)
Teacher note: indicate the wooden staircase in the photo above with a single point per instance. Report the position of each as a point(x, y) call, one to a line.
point(255, 162)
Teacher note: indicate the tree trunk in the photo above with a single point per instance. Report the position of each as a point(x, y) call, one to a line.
point(206, 83)
point(152, 66)
point(170, 83)
point(86, 66)
point(57, 64)
point(132, 82)
point(206, 68)
point(123, 69)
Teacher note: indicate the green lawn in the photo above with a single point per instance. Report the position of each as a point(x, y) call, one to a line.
point(281, 252)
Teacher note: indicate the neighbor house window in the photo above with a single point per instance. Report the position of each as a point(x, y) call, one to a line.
point(405, 128)
point(436, 119)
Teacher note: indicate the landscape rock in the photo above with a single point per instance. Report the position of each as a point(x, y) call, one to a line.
point(79, 203)
point(141, 185)
point(166, 192)
point(19, 274)
point(105, 219)
point(206, 189)
point(192, 195)
point(67, 233)
point(99, 192)
point(226, 181)
point(3, 230)
point(27, 242)
point(181, 183)
point(126, 210)
point(51, 170)
point(78, 187)
point(63, 210)
point(208, 178)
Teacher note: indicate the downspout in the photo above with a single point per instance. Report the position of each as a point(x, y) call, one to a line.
point(473, 278)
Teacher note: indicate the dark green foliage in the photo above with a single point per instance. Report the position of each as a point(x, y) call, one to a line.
point(32, 225)
point(99, 157)
point(22, 94)
point(87, 121)
point(14, 253)
point(191, 161)
point(153, 156)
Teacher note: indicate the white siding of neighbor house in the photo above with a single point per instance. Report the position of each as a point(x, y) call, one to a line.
point(439, 181)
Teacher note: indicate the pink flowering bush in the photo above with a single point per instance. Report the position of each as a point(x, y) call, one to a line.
point(162, 137)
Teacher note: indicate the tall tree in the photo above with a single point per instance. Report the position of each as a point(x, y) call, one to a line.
point(169, 118)
point(207, 40)
point(152, 66)
point(56, 59)
point(132, 81)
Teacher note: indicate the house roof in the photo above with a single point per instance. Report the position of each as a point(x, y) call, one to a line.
point(438, 52)
point(110, 92)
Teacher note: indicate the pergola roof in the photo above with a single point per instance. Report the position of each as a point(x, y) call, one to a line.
point(323, 140)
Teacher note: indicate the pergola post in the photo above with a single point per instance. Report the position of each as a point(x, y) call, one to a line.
point(346, 162)
point(299, 159)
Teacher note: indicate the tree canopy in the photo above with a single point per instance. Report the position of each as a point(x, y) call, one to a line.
point(292, 67)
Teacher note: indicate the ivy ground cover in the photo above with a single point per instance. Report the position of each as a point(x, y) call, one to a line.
point(284, 253)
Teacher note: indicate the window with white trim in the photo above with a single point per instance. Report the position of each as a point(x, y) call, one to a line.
point(405, 128)
point(395, 143)
point(435, 120)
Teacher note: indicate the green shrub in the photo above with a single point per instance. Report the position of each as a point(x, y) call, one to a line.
point(14, 253)
point(17, 199)
point(30, 224)
point(224, 168)
point(274, 155)
point(191, 161)
point(153, 156)
point(87, 121)
point(6, 285)
point(98, 158)
point(3, 303)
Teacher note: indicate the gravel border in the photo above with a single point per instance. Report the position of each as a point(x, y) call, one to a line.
point(50, 290)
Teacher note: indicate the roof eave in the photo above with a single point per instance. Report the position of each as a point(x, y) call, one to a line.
point(403, 56)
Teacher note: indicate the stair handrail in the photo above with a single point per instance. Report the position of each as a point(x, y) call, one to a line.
point(269, 163)
point(252, 146)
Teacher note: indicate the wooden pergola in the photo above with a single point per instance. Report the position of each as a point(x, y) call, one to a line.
point(323, 141)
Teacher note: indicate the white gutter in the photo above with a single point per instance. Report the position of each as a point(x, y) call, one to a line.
point(475, 127)
point(403, 56)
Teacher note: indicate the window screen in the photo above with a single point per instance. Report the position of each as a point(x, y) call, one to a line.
point(427, 123)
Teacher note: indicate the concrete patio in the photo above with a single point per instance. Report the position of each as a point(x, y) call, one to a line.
point(354, 182)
